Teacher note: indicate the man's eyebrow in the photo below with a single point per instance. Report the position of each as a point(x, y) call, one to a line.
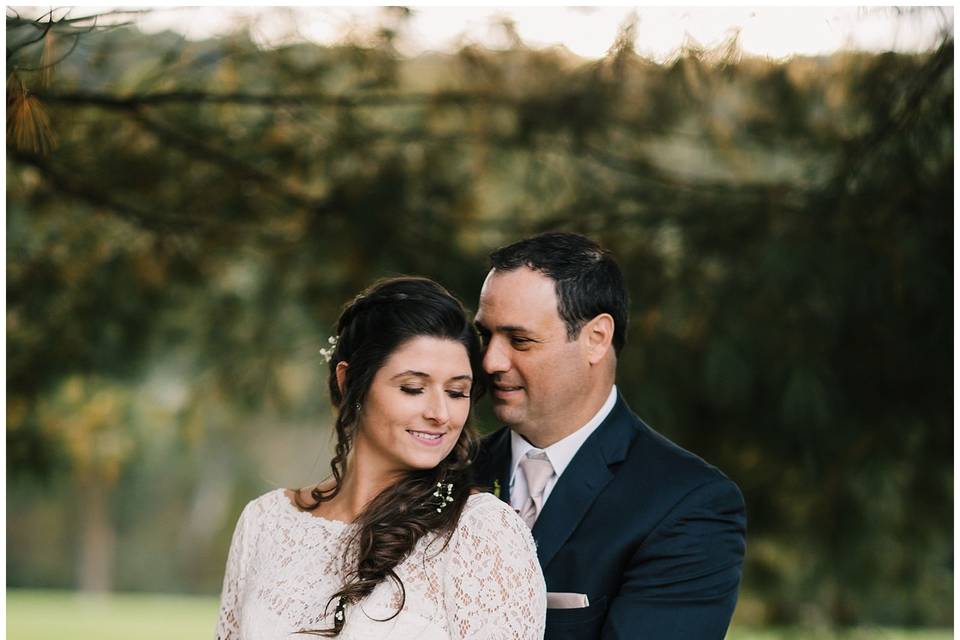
point(501, 328)
point(512, 328)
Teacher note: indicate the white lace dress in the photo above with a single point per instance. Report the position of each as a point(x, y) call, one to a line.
point(284, 564)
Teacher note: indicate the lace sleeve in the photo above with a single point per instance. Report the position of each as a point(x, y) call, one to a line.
point(228, 621)
point(494, 587)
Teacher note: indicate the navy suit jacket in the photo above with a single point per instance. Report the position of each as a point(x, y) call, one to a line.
point(652, 534)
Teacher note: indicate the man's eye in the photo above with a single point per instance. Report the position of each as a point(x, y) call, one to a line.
point(414, 391)
point(519, 342)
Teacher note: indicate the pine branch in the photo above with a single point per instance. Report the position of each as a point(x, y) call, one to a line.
point(64, 182)
point(112, 101)
point(218, 157)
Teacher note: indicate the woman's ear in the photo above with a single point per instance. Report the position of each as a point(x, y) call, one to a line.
point(341, 375)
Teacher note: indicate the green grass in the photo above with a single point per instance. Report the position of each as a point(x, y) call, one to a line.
point(54, 615)
point(50, 615)
point(866, 633)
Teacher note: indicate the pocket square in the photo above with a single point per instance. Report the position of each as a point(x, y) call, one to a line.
point(567, 600)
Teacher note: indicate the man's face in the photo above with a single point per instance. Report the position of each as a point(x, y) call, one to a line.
point(537, 374)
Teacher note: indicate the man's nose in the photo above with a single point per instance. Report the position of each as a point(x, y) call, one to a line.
point(495, 359)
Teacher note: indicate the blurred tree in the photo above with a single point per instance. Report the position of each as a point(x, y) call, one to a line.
point(187, 217)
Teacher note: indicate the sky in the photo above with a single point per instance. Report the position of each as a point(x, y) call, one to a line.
point(775, 32)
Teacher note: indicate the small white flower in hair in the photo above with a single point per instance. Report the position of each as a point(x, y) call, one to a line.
point(327, 353)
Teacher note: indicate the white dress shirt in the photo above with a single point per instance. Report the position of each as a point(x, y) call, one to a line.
point(559, 453)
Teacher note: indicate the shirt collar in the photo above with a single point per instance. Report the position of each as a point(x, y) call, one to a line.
point(561, 453)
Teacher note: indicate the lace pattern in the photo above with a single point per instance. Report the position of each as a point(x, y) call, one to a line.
point(284, 565)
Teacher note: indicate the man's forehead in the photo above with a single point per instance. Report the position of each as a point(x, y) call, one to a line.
point(521, 278)
point(519, 293)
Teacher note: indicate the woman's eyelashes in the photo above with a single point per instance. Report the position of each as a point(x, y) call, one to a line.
point(453, 393)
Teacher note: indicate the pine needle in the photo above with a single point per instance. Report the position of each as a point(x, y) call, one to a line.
point(48, 59)
point(28, 125)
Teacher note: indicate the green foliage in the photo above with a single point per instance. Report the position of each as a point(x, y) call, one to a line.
point(176, 261)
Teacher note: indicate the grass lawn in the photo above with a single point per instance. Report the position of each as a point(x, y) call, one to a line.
point(866, 633)
point(50, 615)
point(54, 615)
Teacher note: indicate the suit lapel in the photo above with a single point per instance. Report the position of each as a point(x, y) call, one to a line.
point(500, 456)
point(582, 481)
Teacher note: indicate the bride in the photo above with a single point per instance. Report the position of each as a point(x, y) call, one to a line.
point(395, 543)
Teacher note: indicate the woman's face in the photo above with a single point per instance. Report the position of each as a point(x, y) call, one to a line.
point(416, 406)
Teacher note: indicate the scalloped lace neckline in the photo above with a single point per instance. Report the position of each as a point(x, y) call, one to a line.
point(306, 515)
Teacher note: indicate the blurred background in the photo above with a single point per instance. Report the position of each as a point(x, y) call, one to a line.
point(193, 194)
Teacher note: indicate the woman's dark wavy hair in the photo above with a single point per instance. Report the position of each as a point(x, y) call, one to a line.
point(371, 327)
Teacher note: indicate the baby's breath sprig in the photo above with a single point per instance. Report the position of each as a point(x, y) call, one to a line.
point(327, 353)
point(441, 500)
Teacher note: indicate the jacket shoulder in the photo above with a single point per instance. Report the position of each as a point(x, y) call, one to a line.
point(656, 456)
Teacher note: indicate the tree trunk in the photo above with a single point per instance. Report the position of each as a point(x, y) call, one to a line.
point(97, 539)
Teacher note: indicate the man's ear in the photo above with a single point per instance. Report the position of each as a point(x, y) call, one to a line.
point(599, 337)
point(341, 375)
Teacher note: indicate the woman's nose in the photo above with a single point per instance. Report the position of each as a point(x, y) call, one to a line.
point(436, 410)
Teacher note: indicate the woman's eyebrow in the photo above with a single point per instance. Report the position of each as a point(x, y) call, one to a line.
point(421, 374)
point(411, 372)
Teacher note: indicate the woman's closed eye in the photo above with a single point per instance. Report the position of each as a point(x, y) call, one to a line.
point(453, 393)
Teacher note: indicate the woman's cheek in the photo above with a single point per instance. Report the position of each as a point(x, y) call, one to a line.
point(461, 420)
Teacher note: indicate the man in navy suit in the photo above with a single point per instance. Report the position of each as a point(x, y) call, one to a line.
point(637, 537)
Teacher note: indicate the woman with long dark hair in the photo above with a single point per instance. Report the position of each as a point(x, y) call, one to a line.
point(396, 543)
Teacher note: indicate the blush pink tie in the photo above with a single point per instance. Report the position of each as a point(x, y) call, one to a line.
point(537, 470)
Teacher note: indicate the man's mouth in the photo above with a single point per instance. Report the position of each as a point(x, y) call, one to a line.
point(506, 389)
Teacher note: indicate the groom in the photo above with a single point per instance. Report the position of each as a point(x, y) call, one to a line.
point(637, 537)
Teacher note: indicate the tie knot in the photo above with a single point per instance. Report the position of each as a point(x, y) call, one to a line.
point(537, 470)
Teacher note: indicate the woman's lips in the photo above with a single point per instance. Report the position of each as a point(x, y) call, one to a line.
point(426, 437)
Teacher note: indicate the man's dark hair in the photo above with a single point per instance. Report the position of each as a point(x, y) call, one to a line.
point(587, 279)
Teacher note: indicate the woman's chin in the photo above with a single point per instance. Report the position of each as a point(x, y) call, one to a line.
point(423, 460)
